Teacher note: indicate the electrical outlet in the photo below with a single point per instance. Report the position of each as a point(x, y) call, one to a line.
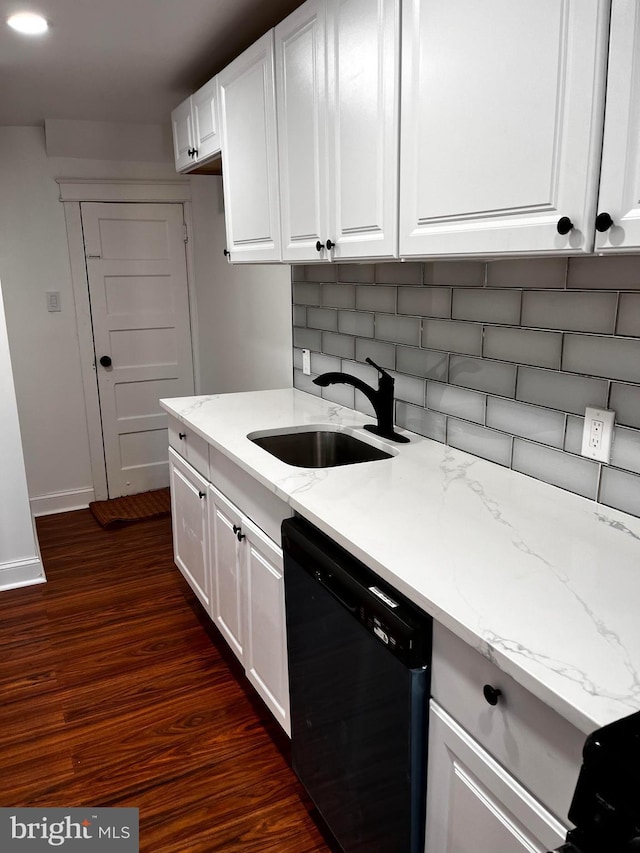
point(306, 362)
point(598, 433)
point(53, 301)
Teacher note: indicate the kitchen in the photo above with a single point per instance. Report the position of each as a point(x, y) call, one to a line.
point(323, 315)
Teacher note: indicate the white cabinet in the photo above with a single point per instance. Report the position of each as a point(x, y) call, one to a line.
point(190, 521)
point(227, 571)
point(337, 72)
point(501, 124)
point(249, 154)
point(195, 125)
point(473, 804)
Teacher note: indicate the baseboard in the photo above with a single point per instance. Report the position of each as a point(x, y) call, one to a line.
point(61, 502)
point(21, 573)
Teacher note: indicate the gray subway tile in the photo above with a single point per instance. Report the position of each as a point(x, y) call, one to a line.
point(482, 374)
point(297, 358)
point(527, 272)
point(621, 272)
point(455, 273)
point(363, 404)
point(322, 318)
point(305, 293)
point(562, 391)
point(356, 272)
point(341, 394)
point(308, 339)
point(429, 364)
point(573, 435)
point(614, 358)
point(323, 363)
point(525, 346)
point(555, 467)
point(341, 345)
point(625, 401)
point(620, 490)
point(305, 383)
point(338, 295)
point(625, 450)
point(459, 402)
point(371, 297)
point(383, 354)
point(299, 316)
point(487, 443)
point(320, 272)
point(425, 301)
point(490, 306)
point(361, 371)
point(452, 336)
point(527, 421)
point(415, 418)
point(409, 388)
point(573, 312)
point(399, 273)
point(355, 323)
point(401, 330)
point(297, 272)
point(629, 315)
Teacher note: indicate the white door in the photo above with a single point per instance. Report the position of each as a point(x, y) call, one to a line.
point(137, 273)
point(620, 177)
point(501, 123)
point(473, 804)
point(228, 571)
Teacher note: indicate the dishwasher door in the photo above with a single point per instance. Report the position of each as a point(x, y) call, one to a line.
point(358, 711)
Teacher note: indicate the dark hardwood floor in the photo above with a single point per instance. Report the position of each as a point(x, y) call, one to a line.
point(115, 690)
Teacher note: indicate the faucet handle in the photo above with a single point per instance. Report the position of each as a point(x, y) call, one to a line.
point(381, 370)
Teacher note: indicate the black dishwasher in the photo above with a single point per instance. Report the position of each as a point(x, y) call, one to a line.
point(359, 672)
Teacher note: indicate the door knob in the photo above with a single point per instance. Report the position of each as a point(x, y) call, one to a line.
point(105, 360)
point(603, 222)
point(564, 225)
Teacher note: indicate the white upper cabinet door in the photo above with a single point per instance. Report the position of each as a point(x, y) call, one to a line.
point(182, 128)
point(619, 200)
point(302, 118)
point(206, 128)
point(363, 73)
point(249, 154)
point(502, 109)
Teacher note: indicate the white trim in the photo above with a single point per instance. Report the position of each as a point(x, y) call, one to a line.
point(21, 573)
point(191, 289)
point(118, 189)
point(62, 501)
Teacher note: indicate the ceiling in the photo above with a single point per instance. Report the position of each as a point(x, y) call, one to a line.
point(122, 60)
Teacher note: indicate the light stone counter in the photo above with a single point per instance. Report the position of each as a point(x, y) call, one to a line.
point(544, 583)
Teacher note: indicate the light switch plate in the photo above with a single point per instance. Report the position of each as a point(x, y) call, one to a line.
point(53, 301)
point(598, 433)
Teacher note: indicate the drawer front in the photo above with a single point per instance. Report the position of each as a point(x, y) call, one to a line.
point(263, 507)
point(533, 742)
point(189, 445)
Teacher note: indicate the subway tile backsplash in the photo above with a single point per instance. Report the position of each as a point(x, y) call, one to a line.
point(495, 358)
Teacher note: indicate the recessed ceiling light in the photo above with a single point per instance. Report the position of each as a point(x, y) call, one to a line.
point(28, 23)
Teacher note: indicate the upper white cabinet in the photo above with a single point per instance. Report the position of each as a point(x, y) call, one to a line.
point(249, 154)
point(196, 131)
point(619, 199)
point(337, 72)
point(501, 125)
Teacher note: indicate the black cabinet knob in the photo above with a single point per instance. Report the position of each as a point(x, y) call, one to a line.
point(491, 694)
point(239, 534)
point(192, 152)
point(227, 253)
point(105, 360)
point(603, 222)
point(564, 225)
point(202, 494)
point(330, 244)
point(182, 435)
point(319, 246)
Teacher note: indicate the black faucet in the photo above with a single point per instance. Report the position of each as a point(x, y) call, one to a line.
point(381, 399)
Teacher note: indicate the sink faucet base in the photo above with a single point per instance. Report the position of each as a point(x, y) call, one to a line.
point(392, 436)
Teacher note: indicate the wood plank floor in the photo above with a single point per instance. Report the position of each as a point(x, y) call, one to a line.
point(115, 690)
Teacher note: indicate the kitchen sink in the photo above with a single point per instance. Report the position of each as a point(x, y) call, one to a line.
point(318, 448)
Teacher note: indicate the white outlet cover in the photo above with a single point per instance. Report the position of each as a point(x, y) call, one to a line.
point(602, 450)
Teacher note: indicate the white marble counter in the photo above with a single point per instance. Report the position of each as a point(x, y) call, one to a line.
point(545, 583)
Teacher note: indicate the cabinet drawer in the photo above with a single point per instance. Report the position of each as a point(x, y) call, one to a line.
point(533, 742)
point(189, 445)
point(259, 504)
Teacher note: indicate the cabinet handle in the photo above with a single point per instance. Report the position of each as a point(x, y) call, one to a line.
point(192, 152)
point(319, 246)
point(564, 225)
point(603, 222)
point(491, 694)
point(182, 435)
point(239, 534)
point(202, 494)
point(330, 244)
point(227, 253)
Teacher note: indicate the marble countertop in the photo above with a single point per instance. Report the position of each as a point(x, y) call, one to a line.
point(544, 583)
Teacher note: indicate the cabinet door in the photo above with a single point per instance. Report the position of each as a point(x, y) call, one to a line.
point(190, 527)
point(300, 49)
point(473, 804)
point(620, 177)
point(502, 108)
point(227, 570)
point(206, 130)
point(183, 138)
point(249, 154)
point(266, 643)
point(363, 72)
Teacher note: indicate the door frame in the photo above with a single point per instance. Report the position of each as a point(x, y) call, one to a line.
point(73, 191)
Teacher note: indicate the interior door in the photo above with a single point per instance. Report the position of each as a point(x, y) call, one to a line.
point(137, 272)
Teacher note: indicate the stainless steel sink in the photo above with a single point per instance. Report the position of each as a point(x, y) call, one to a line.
point(318, 448)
